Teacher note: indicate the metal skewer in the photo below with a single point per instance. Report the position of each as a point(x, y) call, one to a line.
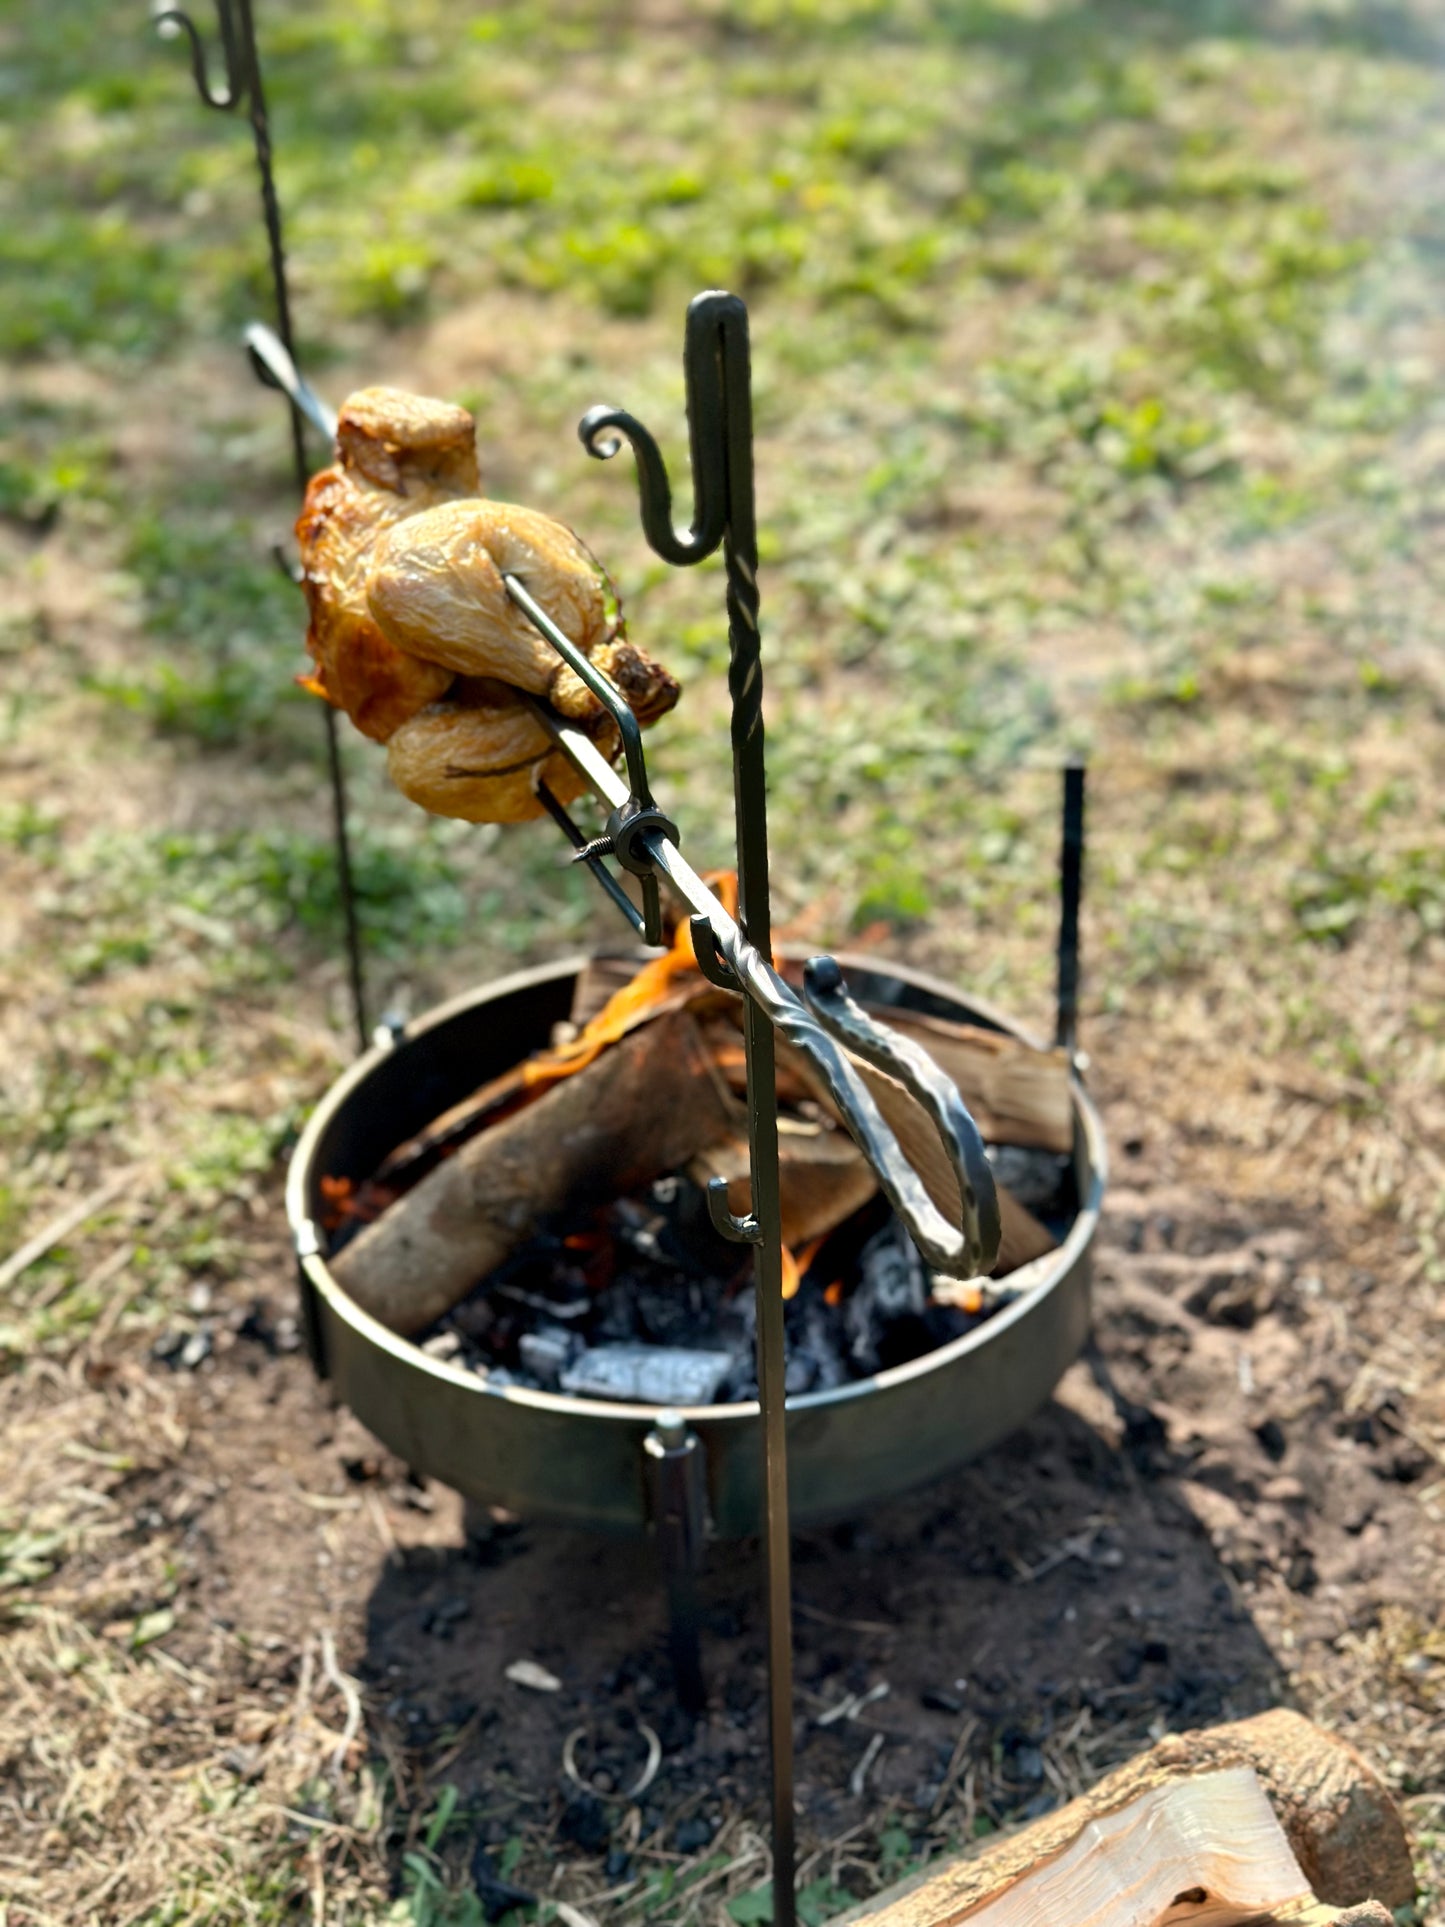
point(733, 952)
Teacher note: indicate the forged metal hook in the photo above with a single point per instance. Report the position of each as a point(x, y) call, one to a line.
point(172, 21)
point(716, 331)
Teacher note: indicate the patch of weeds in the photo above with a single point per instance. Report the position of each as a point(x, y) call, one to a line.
point(429, 1896)
point(223, 1151)
point(231, 890)
point(34, 489)
point(408, 888)
point(897, 895)
point(29, 827)
point(234, 623)
point(85, 280)
point(1331, 898)
point(28, 1558)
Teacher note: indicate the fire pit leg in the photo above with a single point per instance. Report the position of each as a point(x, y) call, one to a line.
point(677, 1483)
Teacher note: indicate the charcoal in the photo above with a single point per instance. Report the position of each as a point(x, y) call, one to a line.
point(547, 1352)
point(815, 1360)
point(892, 1286)
point(474, 1317)
point(565, 1305)
point(902, 1340)
point(1041, 1181)
point(648, 1374)
point(643, 1302)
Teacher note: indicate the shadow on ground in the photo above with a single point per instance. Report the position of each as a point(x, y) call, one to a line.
point(1017, 1627)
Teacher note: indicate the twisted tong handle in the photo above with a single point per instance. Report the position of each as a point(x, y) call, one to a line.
point(965, 1251)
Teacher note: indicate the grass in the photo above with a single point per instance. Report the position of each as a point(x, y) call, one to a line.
point(1096, 398)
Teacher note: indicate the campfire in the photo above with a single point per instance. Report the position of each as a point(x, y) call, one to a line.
point(552, 1230)
point(725, 1178)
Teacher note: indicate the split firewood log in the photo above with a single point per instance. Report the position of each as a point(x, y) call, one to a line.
point(1016, 1093)
point(1023, 1238)
point(1343, 1834)
point(1207, 1851)
point(646, 1106)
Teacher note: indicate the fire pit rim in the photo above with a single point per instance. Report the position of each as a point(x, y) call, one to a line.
point(1060, 1261)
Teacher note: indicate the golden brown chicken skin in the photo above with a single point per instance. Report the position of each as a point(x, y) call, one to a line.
point(479, 754)
point(413, 633)
point(398, 455)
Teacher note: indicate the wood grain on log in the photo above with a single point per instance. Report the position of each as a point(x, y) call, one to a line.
point(1017, 1095)
point(1206, 1850)
point(1023, 1238)
point(1335, 1811)
point(647, 1105)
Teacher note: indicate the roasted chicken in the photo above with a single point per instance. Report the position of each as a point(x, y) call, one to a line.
point(412, 631)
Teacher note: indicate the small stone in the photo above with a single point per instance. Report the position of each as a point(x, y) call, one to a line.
point(1283, 1491)
point(196, 1350)
point(1300, 1574)
point(939, 1702)
point(526, 1672)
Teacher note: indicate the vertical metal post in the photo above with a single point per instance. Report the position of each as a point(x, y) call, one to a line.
point(720, 422)
point(679, 1516)
point(1071, 889)
point(242, 62)
point(745, 682)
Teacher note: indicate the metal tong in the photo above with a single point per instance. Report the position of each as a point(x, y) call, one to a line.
point(826, 1024)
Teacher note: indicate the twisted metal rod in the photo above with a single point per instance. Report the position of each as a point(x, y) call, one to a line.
point(717, 371)
point(241, 62)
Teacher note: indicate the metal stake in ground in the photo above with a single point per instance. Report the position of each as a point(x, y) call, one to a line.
point(242, 87)
point(1071, 890)
point(719, 407)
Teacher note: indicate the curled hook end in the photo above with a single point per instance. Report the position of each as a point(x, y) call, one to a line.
point(738, 1231)
point(592, 432)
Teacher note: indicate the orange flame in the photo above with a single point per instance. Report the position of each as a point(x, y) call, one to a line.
point(650, 986)
point(796, 1263)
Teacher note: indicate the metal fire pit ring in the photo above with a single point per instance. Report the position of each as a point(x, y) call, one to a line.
point(583, 1462)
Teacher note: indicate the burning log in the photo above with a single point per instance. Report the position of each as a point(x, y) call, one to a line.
point(589, 1120)
point(647, 1106)
point(1244, 1822)
point(1018, 1095)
